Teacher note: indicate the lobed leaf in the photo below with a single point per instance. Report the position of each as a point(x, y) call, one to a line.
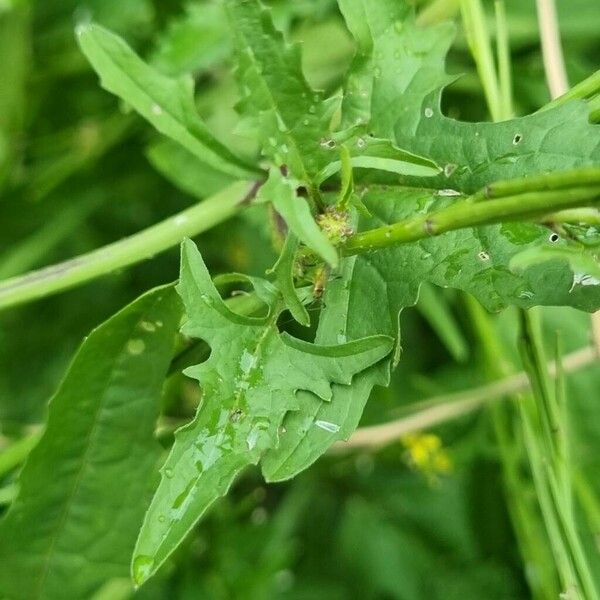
point(86, 485)
point(249, 383)
point(289, 117)
point(375, 287)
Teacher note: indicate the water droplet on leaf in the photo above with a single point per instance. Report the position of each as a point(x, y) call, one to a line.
point(142, 567)
point(136, 347)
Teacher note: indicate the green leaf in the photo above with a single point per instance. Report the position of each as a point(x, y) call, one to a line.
point(85, 487)
point(249, 383)
point(372, 290)
point(168, 104)
point(368, 152)
point(284, 273)
point(185, 171)
point(289, 117)
point(584, 267)
point(194, 41)
point(281, 191)
point(396, 66)
point(402, 84)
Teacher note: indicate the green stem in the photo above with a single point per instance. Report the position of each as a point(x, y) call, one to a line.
point(547, 439)
point(131, 250)
point(503, 52)
point(523, 516)
point(468, 214)
point(17, 452)
point(587, 216)
point(594, 107)
point(585, 89)
point(540, 183)
point(478, 37)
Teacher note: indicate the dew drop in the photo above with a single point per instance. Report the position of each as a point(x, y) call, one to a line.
point(312, 109)
point(142, 568)
point(306, 122)
point(136, 347)
point(525, 295)
point(327, 426)
point(448, 193)
point(161, 518)
point(168, 473)
point(360, 142)
point(483, 256)
point(157, 110)
point(554, 237)
point(147, 326)
point(517, 139)
point(377, 72)
point(159, 324)
point(429, 112)
point(180, 220)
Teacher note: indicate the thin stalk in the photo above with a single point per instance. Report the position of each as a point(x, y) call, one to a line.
point(585, 89)
point(16, 453)
point(468, 214)
point(504, 62)
point(562, 558)
point(558, 180)
point(441, 409)
point(546, 439)
point(524, 516)
point(588, 216)
point(554, 62)
point(594, 108)
point(126, 252)
point(478, 37)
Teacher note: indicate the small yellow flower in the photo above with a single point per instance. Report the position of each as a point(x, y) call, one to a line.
point(425, 453)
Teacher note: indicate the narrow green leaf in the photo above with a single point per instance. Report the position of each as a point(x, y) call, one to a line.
point(367, 152)
point(436, 310)
point(249, 383)
point(284, 273)
point(168, 104)
point(85, 487)
point(282, 193)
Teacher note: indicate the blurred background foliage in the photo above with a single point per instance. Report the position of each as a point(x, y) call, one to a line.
point(426, 517)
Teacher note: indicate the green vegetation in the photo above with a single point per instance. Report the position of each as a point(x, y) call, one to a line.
point(376, 375)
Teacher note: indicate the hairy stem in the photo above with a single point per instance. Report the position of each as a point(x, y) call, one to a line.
point(466, 213)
